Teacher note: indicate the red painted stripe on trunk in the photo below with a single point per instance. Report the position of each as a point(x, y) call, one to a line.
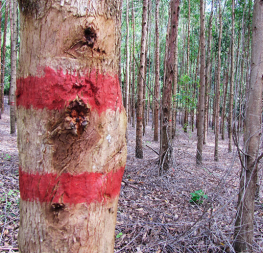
point(72, 189)
point(55, 90)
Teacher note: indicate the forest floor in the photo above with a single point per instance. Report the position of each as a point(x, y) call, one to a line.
point(155, 213)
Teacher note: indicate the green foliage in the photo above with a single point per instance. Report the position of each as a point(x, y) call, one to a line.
point(119, 235)
point(197, 197)
point(7, 157)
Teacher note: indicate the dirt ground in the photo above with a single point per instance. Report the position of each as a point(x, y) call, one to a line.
point(155, 213)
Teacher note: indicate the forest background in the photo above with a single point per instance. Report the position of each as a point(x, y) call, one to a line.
point(228, 36)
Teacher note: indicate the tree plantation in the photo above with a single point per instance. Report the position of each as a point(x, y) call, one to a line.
point(131, 126)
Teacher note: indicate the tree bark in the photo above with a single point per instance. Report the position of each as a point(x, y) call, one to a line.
point(217, 94)
point(13, 25)
point(127, 85)
point(133, 68)
point(201, 104)
point(71, 125)
point(157, 74)
point(231, 92)
point(245, 209)
point(165, 148)
point(139, 148)
point(207, 74)
point(3, 57)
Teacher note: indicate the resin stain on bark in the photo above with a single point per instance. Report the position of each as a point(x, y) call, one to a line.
point(74, 121)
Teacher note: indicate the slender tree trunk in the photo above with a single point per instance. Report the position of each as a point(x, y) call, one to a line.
point(3, 57)
point(157, 74)
point(200, 126)
point(217, 94)
point(13, 13)
point(127, 85)
point(133, 67)
point(224, 104)
point(174, 110)
point(120, 35)
point(139, 148)
point(231, 92)
point(165, 148)
point(207, 75)
point(243, 239)
point(71, 126)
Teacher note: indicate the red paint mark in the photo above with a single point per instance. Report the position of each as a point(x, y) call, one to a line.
point(55, 90)
point(72, 189)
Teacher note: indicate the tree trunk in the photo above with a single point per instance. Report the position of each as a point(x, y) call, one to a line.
point(165, 148)
point(224, 104)
point(245, 209)
point(127, 85)
point(71, 126)
point(231, 92)
point(201, 104)
point(13, 18)
point(174, 109)
point(3, 58)
point(157, 74)
point(139, 148)
point(217, 94)
point(207, 75)
point(133, 67)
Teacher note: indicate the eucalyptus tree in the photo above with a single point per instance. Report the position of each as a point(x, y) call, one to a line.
point(139, 114)
point(3, 60)
point(243, 239)
point(201, 101)
point(71, 125)
point(165, 146)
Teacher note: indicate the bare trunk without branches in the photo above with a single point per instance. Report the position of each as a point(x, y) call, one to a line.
point(245, 209)
point(71, 125)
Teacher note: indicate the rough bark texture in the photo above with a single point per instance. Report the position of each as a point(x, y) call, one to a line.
point(71, 125)
point(218, 86)
point(174, 109)
point(201, 100)
point(207, 75)
point(224, 103)
point(245, 209)
point(139, 148)
point(157, 74)
point(167, 89)
point(133, 68)
point(127, 85)
point(13, 25)
point(231, 92)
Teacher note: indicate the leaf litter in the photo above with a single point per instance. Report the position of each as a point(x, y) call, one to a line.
point(155, 213)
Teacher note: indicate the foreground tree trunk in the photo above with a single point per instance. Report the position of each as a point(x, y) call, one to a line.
point(245, 209)
point(139, 149)
point(201, 100)
point(71, 125)
point(167, 89)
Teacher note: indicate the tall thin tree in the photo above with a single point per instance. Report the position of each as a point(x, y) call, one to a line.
point(243, 239)
point(141, 82)
point(165, 147)
point(201, 100)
